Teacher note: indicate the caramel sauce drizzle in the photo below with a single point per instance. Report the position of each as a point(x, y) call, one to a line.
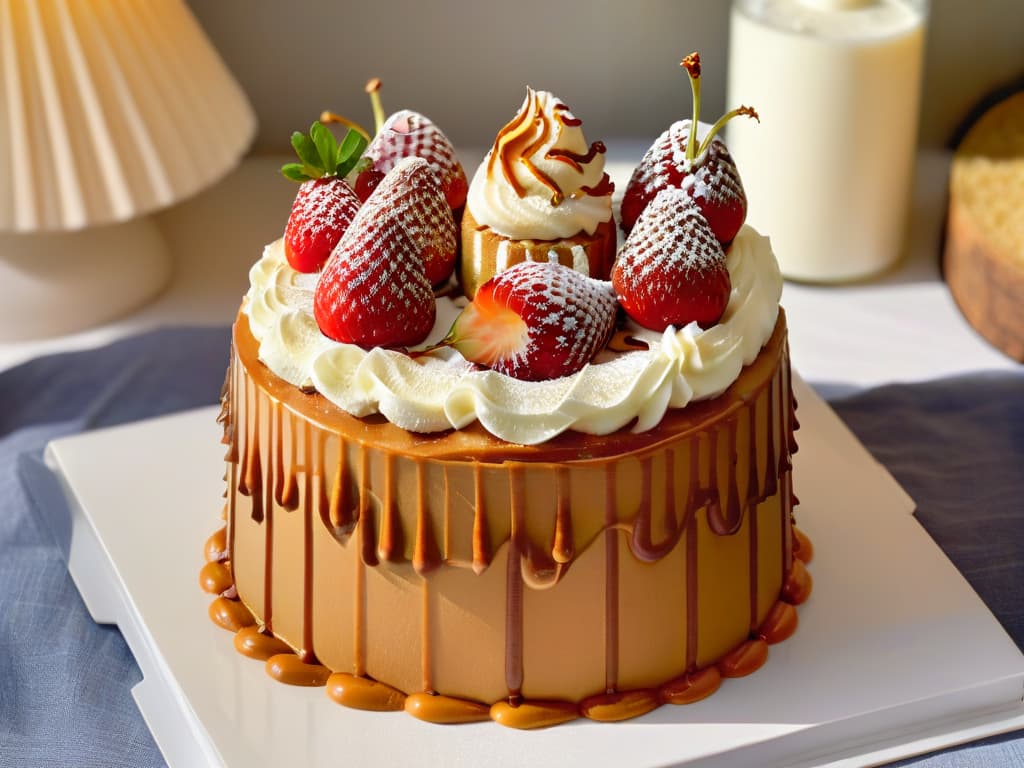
point(575, 159)
point(513, 144)
point(611, 583)
point(389, 544)
point(426, 556)
point(514, 590)
point(481, 540)
point(562, 547)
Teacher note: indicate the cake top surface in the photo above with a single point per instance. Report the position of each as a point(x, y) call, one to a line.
point(442, 391)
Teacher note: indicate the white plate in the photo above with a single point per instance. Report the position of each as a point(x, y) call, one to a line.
point(895, 653)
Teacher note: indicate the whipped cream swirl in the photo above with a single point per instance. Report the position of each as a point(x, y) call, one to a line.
point(442, 391)
point(541, 180)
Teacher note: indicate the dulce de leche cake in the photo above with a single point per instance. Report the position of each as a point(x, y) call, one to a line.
point(567, 497)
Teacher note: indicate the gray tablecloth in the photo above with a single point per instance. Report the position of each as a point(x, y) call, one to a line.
point(956, 445)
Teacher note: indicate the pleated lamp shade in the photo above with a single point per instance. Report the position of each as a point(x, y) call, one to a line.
point(109, 110)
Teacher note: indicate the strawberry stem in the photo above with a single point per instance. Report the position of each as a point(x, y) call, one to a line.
point(330, 117)
point(379, 116)
point(745, 111)
point(691, 64)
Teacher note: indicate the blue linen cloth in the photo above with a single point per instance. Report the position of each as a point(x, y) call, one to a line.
point(956, 445)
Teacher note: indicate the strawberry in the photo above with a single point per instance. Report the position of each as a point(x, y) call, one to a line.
point(410, 134)
point(705, 170)
point(374, 290)
point(535, 321)
point(671, 269)
point(325, 204)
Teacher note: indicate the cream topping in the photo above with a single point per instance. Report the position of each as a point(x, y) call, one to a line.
point(541, 180)
point(442, 391)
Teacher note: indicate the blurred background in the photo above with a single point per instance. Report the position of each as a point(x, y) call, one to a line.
point(465, 64)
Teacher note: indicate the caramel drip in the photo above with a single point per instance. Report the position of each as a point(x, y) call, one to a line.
point(306, 652)
point(613, 707)
point(779, 624)
point(771, 467)
point(277, 446)
point(481, 541)
point(754, 493)
point(730, 523)
point(288, 497)
point(533, 714)
point(367, 527)
point(289, 669)
point(268, 534)
point(562, 547)
point(575, 159)
point(425, 557)
point(390, 547)
point(753, 566)
point(359, 628)
point(514, 589)
point(691, 687)
point(364, 693)
point(712, 493)
point(744, 659)
point(253, 642)
point(445, 709)
point(426, 655)
point(691, 564)
point(642, 546)
point(322, 499)
point(215, 577)
point(230, 614)
point(251, 480)
point(216, 547)
point(611, 585)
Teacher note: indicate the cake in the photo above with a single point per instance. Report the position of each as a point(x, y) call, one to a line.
point(541, 189)
point(983, 260)
point(424, 528)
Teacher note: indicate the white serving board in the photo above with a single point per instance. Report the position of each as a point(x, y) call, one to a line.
point(895, 654)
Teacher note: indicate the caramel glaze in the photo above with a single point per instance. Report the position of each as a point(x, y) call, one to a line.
point(355, 504)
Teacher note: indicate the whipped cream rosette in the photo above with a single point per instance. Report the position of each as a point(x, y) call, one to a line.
point(541, 189)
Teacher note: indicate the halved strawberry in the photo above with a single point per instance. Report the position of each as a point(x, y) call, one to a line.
point(705, 169)
point(325, 204)
point(374, 290)
point(535, 321)
point(671, 269)
point(410, 134)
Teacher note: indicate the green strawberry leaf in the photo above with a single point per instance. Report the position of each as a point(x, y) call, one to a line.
point(349, 152)
point(295, 172)
point(307, 152)
point(326, 146)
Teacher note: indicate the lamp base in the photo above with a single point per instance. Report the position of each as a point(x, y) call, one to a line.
point(55, 283)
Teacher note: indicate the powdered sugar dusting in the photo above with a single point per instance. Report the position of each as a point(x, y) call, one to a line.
point(410, 134)
point(569, 316)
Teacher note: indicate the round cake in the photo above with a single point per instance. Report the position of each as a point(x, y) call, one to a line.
point(416, 529)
